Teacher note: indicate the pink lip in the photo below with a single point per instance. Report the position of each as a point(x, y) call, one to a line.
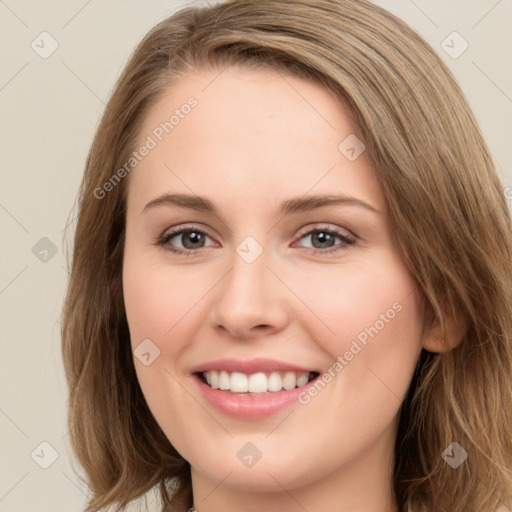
point(250, 366)
point(249, 407)
point(245, 406)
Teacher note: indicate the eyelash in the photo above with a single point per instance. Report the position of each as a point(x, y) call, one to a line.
point(163, 241)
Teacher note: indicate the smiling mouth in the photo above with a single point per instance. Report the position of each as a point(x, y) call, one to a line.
point(256, 383)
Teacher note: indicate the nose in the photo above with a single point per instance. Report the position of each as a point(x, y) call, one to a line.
point(250, 301)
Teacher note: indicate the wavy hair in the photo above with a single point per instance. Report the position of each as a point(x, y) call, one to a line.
point(448, 215)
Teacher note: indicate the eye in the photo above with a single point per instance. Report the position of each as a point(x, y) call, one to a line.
point(184, 240)
point(189, 240)
point(323, 240)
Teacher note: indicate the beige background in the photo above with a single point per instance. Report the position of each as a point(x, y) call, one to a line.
point(49, 109)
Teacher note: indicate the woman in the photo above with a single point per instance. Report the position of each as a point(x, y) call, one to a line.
point(291, 281)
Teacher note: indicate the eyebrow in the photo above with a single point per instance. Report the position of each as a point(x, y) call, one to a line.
point(295, 205)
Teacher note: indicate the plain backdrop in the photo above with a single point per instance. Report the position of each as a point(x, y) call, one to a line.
point(50, 106)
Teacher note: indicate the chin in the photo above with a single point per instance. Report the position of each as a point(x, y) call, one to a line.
point(268, 475)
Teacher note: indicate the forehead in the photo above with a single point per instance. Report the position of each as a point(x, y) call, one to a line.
point(252, 99)
point(249, 131)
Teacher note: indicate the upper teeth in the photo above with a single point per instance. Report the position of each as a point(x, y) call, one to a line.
point(255, 383)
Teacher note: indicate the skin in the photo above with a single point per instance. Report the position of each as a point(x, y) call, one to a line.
point(255, 139)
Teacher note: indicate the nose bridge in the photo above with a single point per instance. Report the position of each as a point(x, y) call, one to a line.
point(249, 294)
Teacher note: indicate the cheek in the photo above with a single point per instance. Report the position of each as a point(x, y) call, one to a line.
point(370, 323)
point(158, 307)
point(159, 300)
point(346, 303)
point(163, 305)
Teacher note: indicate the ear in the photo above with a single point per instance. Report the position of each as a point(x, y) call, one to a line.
point(455, 328)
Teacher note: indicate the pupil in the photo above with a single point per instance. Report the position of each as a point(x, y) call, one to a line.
point(193, 237)
point(323, 238)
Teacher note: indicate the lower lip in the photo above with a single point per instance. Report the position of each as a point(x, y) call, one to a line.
point(249, 407)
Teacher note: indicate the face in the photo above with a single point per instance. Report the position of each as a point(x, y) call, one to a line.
point(300, 309)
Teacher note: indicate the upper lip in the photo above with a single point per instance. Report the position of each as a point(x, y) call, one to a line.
point(249, 366)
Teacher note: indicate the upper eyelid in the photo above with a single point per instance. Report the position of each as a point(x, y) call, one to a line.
point(326, 227)
point(181, 229)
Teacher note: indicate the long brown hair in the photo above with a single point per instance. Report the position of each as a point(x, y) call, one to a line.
point(447, 211)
